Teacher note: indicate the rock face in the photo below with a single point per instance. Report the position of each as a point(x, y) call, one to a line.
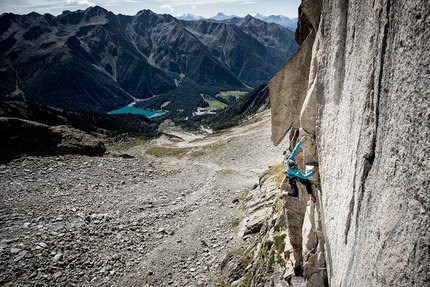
point(366, 103)
point(28, 137)
point(284, 239)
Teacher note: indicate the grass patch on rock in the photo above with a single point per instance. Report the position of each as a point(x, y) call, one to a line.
point(235, 221)
point(278, 171)
point(167, 151)
point(278, 240)
point(278, 205)
point(279, 246)
point(216, 146)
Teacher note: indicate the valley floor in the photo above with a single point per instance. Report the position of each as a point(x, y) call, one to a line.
point(166, 217)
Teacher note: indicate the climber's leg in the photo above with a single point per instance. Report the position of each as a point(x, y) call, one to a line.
point(294, 190)
point(282, 191)
point(308, 186)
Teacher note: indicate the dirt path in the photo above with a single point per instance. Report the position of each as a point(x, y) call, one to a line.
point(162, 221)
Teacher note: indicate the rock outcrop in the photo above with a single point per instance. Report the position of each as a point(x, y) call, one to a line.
point(21, 136)
point(362, 92)
point(285, 242)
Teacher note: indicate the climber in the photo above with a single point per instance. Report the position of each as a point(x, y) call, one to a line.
point(293, 174)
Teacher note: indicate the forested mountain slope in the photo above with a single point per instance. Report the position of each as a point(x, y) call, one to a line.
point(96, 60)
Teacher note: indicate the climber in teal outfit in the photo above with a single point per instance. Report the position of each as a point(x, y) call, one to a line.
point(293, 174)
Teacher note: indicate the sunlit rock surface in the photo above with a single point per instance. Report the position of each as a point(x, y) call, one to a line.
point(366, 103)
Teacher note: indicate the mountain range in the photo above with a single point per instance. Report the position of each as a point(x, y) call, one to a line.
point(278, 19)
point(96, 60)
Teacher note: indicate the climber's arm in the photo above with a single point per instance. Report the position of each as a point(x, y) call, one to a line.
point(297, 173)
point(304, 176)
point(295, 150)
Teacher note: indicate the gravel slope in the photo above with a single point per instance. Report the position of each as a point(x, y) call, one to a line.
point(143, 221)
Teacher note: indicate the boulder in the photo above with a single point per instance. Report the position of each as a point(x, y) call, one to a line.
point(20, 137)
point(254, 222)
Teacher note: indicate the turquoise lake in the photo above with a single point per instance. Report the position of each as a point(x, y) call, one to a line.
point(133, 110)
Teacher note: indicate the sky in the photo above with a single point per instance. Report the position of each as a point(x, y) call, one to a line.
point(176, 8)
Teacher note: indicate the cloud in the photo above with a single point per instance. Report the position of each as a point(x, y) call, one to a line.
point(116, 3)
point(81, 2)
point(167, 7)
point(53, 7)
point(203, 2)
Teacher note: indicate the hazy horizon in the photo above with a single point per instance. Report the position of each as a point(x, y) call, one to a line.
point(176, 8)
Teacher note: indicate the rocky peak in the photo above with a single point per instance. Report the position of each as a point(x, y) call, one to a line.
point(248, 18)
point(69, 17)
point(149, 18)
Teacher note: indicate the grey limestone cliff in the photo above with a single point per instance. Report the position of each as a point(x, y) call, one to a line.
point(359, 86)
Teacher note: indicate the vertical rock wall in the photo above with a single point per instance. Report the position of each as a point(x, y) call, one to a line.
point(365, 99)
